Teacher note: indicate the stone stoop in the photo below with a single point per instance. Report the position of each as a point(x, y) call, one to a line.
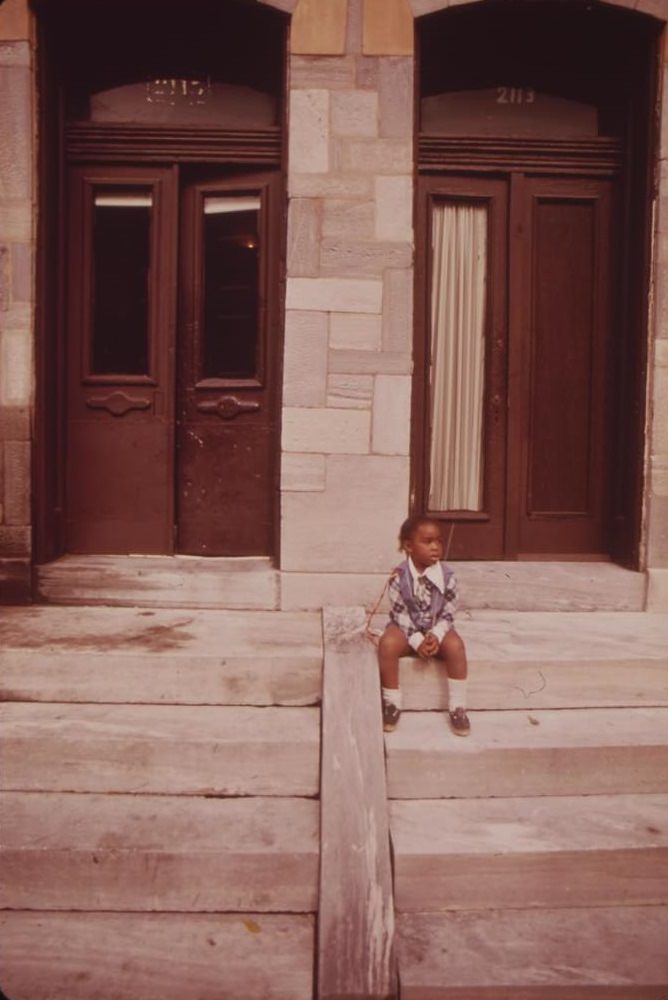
point(160, 788)
point(160, 582)
point(531, 858)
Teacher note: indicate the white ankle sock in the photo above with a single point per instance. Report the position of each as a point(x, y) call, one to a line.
point(393, 695)
point(456, 694)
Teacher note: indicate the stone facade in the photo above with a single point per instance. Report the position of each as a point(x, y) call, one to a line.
point(16, 297)
point(348, 307)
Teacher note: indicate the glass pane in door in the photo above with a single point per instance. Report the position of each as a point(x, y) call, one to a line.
point(231, 280)
point(121, 255)
point(457, 373)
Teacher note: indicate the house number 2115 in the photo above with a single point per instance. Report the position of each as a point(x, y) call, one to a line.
point(515, 95)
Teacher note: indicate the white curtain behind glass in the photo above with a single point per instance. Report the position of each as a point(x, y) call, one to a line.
point(459, 254)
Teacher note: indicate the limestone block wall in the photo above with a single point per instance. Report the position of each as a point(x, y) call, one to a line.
point(348, 323)
point(16, 296)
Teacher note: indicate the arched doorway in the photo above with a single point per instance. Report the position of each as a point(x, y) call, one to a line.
point(162, 183)
point(532, 221)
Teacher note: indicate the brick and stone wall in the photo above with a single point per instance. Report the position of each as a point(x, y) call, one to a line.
point(16, 296)
point(349, 303)
point(349, 300)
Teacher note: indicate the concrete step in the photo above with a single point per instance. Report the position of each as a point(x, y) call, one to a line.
point(551, 660)
point(557, 954)
point(160, 581)
point(150, 956)
point(566, 752)
point(160, 749)
point(158, 853)
point(195, 657)
point(478, 854)
point(550, 586)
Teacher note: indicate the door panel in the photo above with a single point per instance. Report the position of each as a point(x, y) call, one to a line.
point(564, 405)
point(121, 325)
point(461, 438)
point(225, 458)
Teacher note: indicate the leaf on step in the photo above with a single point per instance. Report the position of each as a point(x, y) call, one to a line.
point(251, 926)
point(534, 722)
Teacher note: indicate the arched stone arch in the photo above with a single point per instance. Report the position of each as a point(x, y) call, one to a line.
point(285, 5)
point(655, 8)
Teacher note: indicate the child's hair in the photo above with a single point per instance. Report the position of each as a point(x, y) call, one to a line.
point(411, 525)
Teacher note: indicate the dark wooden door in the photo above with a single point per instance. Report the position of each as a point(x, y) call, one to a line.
point(542, 440)
point(226, 360)
point(121, 311)
point(560, 370)
point(172, 324)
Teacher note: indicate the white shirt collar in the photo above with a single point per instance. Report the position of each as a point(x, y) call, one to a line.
point(433, 573)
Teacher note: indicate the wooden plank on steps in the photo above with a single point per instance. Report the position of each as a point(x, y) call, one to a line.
point(158, 853)
point(160, 657)
point(160, 749)
point(565, 851)
point(356, 917)
point(128, 956)
point(569, 752)
point(561, 954)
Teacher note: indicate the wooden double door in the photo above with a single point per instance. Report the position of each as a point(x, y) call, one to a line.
point(514, 437)
point(171, 341)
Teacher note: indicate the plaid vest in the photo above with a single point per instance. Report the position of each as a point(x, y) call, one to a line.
point(437, 598)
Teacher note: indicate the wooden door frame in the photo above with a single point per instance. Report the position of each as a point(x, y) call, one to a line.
point(62, 143)
point(447, 157)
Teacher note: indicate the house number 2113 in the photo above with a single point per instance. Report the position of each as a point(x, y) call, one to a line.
point(515, 95)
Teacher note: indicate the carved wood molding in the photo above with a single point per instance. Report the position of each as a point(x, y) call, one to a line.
point(92, 141)
point(228, 407)
point(593, 156)
point(118, 403)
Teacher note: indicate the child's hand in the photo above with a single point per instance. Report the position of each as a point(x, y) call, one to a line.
point(428, 647)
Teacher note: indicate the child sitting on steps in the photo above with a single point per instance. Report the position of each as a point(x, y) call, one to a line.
point(423, 595)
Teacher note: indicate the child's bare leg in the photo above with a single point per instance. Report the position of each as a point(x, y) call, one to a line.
point(393, 644)
point(453, 652)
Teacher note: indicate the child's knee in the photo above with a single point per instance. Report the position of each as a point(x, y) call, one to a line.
point(392, 643)
point(453, 644)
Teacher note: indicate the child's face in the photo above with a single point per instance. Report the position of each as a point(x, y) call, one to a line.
point(426, 545)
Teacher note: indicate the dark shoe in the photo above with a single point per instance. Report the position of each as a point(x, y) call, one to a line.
point(459, 722)
point(391, 716)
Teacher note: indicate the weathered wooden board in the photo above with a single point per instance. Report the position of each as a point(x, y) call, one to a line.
point(160, 853)
point(126, 655)
point(570, 752)
point(356, 916)
point(160, 749)
point(102, 956)
point(549, 852)
point(561, 954)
